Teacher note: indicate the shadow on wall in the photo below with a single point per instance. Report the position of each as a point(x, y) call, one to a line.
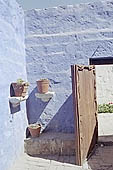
point(34, 107)
point(63, 121)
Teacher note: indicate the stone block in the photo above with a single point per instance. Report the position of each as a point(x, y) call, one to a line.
point(51, 144)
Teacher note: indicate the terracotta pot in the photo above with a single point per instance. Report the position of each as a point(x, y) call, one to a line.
point(20, 90)
point(34, 129)
point(43, 85)
point(25, 89)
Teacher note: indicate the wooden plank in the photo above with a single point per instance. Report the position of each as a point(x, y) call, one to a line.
point(85, 110)
point(75, 103)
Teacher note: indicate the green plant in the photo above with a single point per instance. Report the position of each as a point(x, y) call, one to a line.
point(22, 82)
point(105, 108)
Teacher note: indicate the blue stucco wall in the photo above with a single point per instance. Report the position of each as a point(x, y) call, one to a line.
point(12, 67)
point(55, 39)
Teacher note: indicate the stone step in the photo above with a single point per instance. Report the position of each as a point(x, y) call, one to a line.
point(51, 144)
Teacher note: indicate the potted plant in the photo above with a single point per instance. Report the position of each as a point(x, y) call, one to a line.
point(20, 88)
point(43, 85)
point(34, 129)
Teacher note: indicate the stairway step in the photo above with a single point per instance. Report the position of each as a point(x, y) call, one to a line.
point(51, 144)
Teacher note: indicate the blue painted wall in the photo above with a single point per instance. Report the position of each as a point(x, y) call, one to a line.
point(12, 67)
point(55, 39)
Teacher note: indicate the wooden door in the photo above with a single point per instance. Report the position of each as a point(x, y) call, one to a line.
point(85, 110)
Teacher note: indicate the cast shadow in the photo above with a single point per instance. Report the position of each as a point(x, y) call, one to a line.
point(102, 157)
point(13, 109)
point(63, 121)
point(34, 107)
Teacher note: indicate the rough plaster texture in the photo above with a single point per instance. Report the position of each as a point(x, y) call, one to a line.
point(55, 39)
point(12, 66)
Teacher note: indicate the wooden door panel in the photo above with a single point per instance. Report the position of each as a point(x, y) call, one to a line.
point(85, 110)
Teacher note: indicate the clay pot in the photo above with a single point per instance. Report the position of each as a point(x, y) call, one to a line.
point(20, 90)
point(43, 85)
point(25, 89)
point(34, 129)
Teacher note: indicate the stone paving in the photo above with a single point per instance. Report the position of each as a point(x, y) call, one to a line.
point(45, 163)
point(102, 158)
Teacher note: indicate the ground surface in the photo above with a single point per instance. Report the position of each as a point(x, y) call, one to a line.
point(102, 158)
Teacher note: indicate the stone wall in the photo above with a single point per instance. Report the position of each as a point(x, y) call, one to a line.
point(56, 38)
point(12, 67)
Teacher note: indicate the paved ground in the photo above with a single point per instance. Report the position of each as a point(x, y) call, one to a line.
point(46, 163)
point(102, 158)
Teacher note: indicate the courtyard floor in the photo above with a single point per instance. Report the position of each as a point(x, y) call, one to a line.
point(102, 158)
